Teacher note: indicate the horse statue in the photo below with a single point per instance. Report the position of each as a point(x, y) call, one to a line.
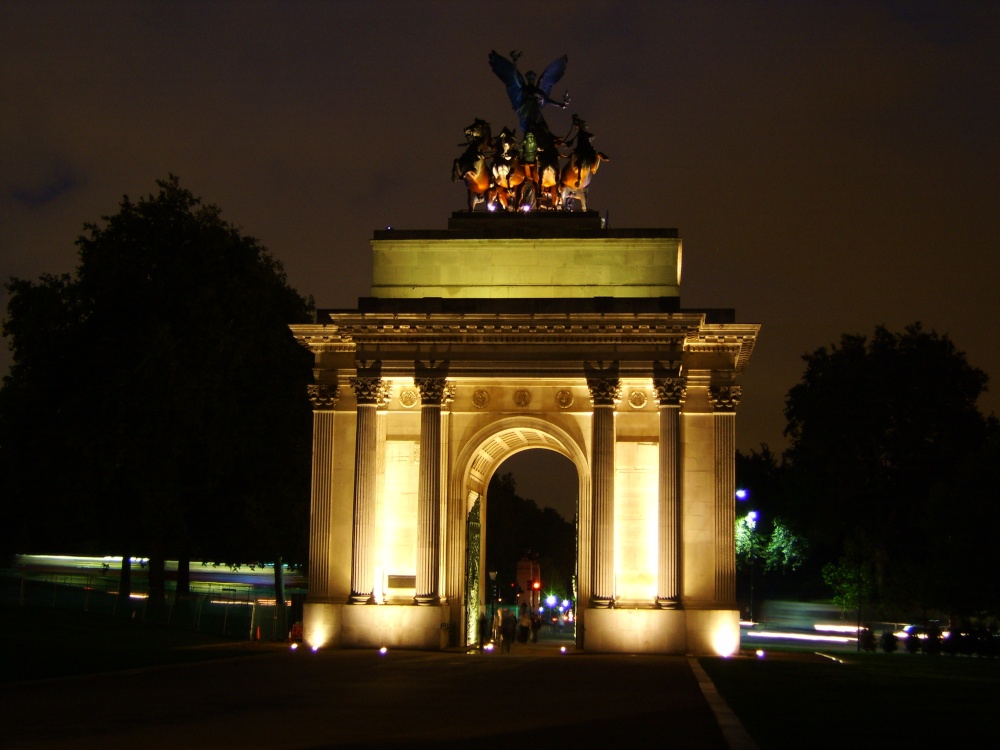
point(471, 165)
point(583, 163)
point(508, 171)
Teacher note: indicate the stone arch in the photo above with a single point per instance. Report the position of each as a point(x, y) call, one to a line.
point(485, 450)
point(477, 461)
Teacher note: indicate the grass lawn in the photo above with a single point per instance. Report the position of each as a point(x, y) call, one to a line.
point(42, 642)
point(802, 700)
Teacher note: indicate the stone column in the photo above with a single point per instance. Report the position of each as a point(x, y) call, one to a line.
point(324, 400)
point(724, 399)
point(605, 392)
point(369, 390)
point(432, 391)
point(670, 393)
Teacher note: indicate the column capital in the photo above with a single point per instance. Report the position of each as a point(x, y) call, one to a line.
point(370, 389)
point(724, 398)
point(323, 397)
point(433, 391)
point(670, 391)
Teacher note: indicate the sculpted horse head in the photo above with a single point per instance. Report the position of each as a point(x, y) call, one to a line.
point(583, 163)
point(508, 171)
point(471, 165)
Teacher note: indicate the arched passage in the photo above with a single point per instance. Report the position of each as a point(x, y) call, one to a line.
point(477, 461)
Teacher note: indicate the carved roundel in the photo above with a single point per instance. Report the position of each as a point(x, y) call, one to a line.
point(637, 399)
point(522, 398)
point(408, 398)
point(564, 399)
point(480, 399)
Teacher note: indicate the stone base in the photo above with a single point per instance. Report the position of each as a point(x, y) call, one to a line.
point(661, 631)
point(374, 626)
point(321, 624)
point(713, 631)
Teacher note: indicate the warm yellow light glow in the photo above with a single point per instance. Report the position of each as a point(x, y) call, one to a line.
point(725, 639)
point(294, 646)
point(316, 634)
point(636, 526)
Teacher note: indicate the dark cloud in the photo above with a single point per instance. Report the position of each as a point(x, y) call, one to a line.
point(48, 191)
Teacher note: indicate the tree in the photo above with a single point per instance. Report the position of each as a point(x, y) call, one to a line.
point(873, 426)
point(159, 393)
point(960, 521)
point(766, 548)
point(517, 527)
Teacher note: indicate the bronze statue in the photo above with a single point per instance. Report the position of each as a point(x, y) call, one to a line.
point(526, 96)
point(582, 165)
point(471, 165)
point(527, 175)
point(508, 171)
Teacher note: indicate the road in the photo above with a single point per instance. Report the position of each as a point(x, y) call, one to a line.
point(281, 698)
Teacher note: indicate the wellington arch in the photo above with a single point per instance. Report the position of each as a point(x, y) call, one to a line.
point(498, 334)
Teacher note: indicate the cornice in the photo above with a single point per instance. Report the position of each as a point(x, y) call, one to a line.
point(347, 331)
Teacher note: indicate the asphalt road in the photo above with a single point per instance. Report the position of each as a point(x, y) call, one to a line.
point(298, 699)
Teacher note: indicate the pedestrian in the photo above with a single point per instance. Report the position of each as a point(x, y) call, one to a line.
point(508, 628)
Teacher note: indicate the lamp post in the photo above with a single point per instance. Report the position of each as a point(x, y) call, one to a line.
point(493, 597)
point(752, 525)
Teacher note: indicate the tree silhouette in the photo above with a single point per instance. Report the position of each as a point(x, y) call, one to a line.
point(156, 403)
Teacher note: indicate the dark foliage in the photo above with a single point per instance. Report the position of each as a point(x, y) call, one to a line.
point(516, 528)
point(875, 425)
point(156, 404)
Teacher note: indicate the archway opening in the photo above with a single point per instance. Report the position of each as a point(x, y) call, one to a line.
point(530, 544)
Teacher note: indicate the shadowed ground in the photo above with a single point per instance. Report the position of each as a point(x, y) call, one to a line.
point(300, 699)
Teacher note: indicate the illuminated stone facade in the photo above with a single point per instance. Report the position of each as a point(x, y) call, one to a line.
point(423, 390)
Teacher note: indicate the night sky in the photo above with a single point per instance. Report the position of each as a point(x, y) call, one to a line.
point(830, 166)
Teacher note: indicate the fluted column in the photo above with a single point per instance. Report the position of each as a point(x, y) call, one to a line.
point(432, 391)
point(369, 390)
point(324, 400)
point(724, 399)
point(670, 394)
point(604, 391)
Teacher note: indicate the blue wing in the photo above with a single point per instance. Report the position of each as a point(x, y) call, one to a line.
point(552, 75)
point(507, 72)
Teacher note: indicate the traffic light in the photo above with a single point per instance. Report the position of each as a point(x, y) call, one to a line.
point(536, 585)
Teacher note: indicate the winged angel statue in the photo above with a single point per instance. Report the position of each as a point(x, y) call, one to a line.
point(527, 96)
point(525, 175)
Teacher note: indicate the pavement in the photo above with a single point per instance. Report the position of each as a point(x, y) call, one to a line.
point(304, 700)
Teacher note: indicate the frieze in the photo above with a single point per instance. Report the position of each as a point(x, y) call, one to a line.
point(481, 399)
point(637, 399)
point(564, 399)
point(522, 398)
